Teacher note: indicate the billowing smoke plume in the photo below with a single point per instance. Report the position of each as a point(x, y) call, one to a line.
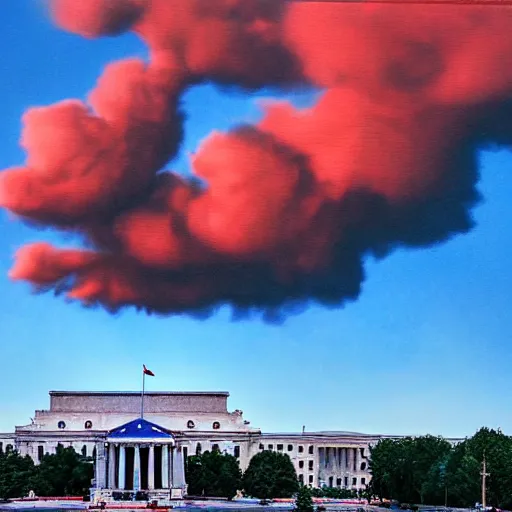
point(283, 212)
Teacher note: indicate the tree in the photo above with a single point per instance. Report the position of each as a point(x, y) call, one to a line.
point(426, 452)
point(428, 469)
point(65, 473)
point(270, 475)
point(435, 486)
point(16, 474)
point(304, 500)
point(384, 467)
point(463, 480)
point(213, 474)
point(497, 448)
point(463, 469)
point(401, 468)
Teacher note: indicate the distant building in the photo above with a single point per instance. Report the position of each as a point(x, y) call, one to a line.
point(134, 454)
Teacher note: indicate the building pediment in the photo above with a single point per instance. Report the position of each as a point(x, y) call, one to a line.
point(141, 431)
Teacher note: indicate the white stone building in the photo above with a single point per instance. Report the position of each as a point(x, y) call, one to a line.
point(133, 453)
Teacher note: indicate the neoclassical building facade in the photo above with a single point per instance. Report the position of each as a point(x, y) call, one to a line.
point(134, 453)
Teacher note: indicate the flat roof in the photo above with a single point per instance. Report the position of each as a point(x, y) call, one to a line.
point(138, 393)
point(323, 433)
point(342, 433)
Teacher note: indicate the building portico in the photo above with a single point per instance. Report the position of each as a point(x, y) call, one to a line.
point(139, 456)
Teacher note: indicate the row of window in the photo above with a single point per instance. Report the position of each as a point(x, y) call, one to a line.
point(215, 425)
point(88, 424)
point(280, 448)
point(311, 464)
point(331, 480)
point(301, 478)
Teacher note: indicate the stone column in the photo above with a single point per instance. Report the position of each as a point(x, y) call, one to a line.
point(332, 459)
point(165, 466)
point(111, 466)
point(122, 467)
point(358, 459)
point(351, 460)
point(178, 473)
point(151, 467)
point(182, 469)
point(101, 466)
point(336, 452)
point(171, 466)
point(136, 469)
point(343, 459)
point(321, 457)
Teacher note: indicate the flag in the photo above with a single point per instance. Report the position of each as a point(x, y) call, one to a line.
point(146, 371)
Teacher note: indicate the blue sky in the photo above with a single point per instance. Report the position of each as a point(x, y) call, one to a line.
point(426, 349)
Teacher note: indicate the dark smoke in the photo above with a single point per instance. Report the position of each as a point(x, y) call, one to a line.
point(284, 212)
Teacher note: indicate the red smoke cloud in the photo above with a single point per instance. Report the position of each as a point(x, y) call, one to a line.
point(286, 210)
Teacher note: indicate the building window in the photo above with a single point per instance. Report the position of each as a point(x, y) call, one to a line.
point(84, 450)
point(290, 447)
point(236, 452)
point(88, 424)
point(311, 450)
point(363, 466)
point(94, 453)
point(301, 448)
point(262, 447)
point(191, 424)
point(331, 481)
point(40, 452)
point(301, 464)
point(61, 424)
point(215, 447)
point(8, 448)
point(216, 425)
point(310, 465)
point(301, 478)
point(354, 481)
point(198, 449)
point(185, 453)
point(279, 447)
point(338, 482)
point(270, 446)
point(346, 481)
point(310, 479)
point(363, 481)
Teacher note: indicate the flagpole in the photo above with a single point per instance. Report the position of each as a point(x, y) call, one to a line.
point(142, 395)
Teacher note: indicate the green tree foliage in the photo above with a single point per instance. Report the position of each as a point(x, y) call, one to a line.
point(270, 475)
point(16, 474)
point(213, 474)
point(429, 470)
point(304, 500)
point(463, 480)
point(65, 473)
point(409, 469)
point(333, 492)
